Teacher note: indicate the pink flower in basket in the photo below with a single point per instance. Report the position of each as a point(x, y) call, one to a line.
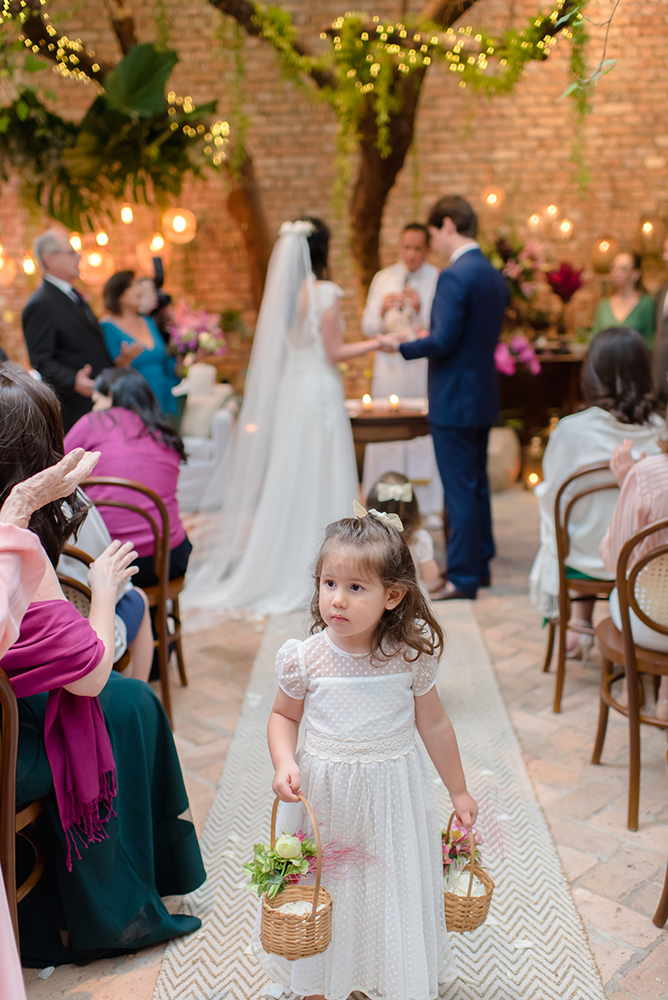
point(195, 330)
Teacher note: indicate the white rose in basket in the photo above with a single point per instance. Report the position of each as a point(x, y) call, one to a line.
point(288, 847)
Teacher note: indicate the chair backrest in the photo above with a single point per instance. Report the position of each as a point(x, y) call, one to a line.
point(643, 589)
point(563, 514)
point(160, 531)
point(76, 592)
point(9, 745)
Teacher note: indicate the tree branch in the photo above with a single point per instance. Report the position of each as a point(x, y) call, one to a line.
point(122, 21)
point(244, 13)
point(64, 51)
point(444, 13)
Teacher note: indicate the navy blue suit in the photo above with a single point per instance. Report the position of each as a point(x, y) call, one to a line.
point(466, 319)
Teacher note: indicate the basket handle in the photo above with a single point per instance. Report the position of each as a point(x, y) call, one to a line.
point(318, 845)
point(471, 848)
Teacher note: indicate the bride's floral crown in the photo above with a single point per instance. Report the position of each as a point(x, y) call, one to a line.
point(301, 227)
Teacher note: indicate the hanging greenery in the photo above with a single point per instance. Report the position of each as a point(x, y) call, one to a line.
point(132, 142)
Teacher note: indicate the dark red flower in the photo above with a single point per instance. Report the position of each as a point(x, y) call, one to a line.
point(565, 282)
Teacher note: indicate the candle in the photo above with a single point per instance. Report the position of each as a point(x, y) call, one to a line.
point(367, 403)
point(394, 402)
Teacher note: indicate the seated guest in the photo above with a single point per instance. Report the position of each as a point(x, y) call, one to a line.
point(136, 443)
point(95, 745)
point(630, 304)
point(133, 622)
point(122, 324)
point(618, 394)
point(643, 499)
point(22, 566)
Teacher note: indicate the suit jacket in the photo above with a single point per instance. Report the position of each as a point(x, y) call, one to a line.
point(660, 362)
point(62, 336)
point(466, 318)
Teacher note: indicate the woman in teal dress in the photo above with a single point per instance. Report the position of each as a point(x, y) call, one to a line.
point(95, 746)
point(132, 339)
point(630, 304)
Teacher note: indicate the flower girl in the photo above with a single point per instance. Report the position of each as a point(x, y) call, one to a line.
point(364, 682)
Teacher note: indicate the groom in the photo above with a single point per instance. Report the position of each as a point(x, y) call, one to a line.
point(466, 317)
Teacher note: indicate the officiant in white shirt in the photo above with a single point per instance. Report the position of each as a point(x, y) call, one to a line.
point(400, 298)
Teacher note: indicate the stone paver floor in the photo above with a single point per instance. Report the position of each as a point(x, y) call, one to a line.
point(616, 876)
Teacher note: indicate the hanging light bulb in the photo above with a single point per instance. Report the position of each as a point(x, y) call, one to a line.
point(179, 225)
point(551, 210)
point(534, 220)
point(605, 250)
point(29, 264)
point(127, 215)
point(101, 238)
point(75, 241)
point(493, 197)
point(96, 266)
point(565, 227)
point(157, 242)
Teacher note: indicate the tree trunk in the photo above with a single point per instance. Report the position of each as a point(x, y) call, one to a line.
point(376, 177)
point(244, 203)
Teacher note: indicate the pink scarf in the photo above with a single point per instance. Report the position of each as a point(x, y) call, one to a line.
point(57, 646)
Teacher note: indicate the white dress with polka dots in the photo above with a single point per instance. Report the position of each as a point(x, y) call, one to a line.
point(368, 783)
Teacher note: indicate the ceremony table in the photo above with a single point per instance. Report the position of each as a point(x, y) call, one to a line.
point(371, 426)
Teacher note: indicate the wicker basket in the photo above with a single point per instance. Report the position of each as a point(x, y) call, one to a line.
point(465, 913)
point(289, 934)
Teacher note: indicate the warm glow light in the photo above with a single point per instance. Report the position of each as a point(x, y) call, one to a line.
point(565, 226)
point(394, 400)
point(75, 241)
point(533, 479)
point(534, 220)
point(28, 264)
point(250, 428)
point(552, 210)
point(158, 242)
point(7, 270)
point(2, 250)
point(127, 215)
point(492, 198)
point(366, 398)
point(179, 225)
point(647, 228)
point(604, 246)
point(101, 238)
point(94, 259)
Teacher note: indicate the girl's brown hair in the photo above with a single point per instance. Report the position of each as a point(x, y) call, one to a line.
point(408, 510)
point(31, 439)
point(381, 551)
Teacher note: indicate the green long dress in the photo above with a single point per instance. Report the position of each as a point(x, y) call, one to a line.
point(111, 900)
point(641, 318)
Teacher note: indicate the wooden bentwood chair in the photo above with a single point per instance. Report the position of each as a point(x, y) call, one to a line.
point(643, 590)
point(661, 915)
point(11, 821)
point(165, 590)
point(599, 590)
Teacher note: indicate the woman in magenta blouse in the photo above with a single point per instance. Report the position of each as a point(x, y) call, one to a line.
point(136, 442)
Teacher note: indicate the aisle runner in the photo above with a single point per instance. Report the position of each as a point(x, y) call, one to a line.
point(533, 946)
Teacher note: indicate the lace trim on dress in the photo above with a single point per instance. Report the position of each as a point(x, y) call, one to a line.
point(375, 750)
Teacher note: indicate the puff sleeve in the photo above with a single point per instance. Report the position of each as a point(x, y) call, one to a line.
point(291, 669)
point(425, 670)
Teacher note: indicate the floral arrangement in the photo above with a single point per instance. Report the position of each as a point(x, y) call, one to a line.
point(271, 871)
point(520, 264)
point(565, 281)
point(457, 850)
point(194, 330)
point(507, 356)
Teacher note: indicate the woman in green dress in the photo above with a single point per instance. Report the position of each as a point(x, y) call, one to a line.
point(630, 304)
point(95, 746)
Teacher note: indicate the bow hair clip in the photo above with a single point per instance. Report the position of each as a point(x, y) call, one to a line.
point(393, 519)
point(394, 491)
point(298, 228)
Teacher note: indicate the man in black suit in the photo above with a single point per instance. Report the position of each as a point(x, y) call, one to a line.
point(64, 339)
point(466, 318)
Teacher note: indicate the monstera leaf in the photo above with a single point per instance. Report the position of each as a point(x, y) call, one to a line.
point(137, 85)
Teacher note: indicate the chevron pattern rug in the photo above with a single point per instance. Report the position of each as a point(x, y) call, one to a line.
point(533, 945)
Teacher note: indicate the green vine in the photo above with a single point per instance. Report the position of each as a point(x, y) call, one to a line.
point(232, 38)
point(582, 100)
point(163, 26)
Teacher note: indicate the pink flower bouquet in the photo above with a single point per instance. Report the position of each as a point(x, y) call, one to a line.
point(519, 350)
point(195, 330)
point(565, 281)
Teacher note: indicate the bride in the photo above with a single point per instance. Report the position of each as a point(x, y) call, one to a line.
point(290, 467)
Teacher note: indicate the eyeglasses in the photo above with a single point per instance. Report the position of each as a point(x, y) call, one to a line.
point(70, 251)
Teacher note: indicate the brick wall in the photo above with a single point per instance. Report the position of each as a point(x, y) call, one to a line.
point(518, 143)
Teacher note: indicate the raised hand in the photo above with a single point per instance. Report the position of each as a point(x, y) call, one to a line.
point(622, 461)
point(54, 483)
point(128, 353)
point(393, 300)
point(112, 568)
point(83, 383)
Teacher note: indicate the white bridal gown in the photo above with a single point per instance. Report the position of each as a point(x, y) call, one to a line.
point(292, 468)
point(368, 783)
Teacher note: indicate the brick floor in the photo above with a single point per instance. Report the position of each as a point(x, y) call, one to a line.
point(616, 876)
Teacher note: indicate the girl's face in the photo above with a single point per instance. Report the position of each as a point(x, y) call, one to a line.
point(352, 601)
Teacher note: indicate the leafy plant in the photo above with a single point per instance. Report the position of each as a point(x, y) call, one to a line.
point(271, 870)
